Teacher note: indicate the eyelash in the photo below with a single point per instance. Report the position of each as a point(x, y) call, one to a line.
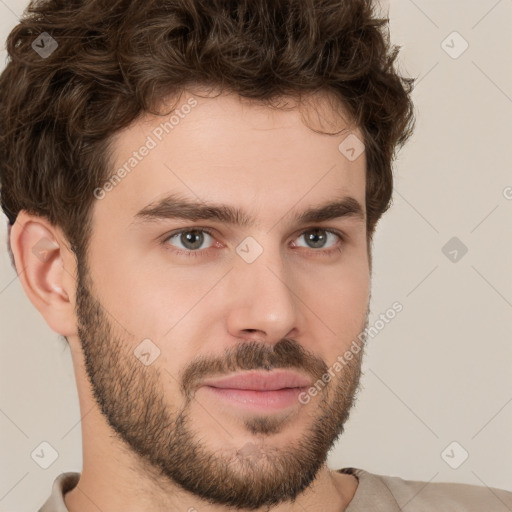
point(202, 252)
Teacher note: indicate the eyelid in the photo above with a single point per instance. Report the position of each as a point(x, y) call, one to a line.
point(172, 234)
point(334, 231)
point(341, 235)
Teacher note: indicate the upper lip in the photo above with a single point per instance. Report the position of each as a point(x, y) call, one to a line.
point(260, 381)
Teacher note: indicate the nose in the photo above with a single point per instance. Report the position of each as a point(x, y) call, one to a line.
point(261, 302)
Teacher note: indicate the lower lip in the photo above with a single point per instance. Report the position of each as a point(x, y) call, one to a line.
point(258, 400)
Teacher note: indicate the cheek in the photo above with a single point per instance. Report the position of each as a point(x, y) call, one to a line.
point(161, 303)
point(338, 298)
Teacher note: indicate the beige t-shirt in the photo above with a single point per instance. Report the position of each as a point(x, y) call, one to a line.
point(375, 493)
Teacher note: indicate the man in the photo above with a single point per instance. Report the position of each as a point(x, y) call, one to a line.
point(192, 188)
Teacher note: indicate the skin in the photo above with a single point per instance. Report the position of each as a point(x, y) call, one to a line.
point(153, 438)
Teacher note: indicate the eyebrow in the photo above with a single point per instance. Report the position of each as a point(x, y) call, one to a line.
point(177, 207)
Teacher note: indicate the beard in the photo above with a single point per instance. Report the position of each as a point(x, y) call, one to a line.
point(131, 397)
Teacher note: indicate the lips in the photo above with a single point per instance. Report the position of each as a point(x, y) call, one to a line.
point(260, 381)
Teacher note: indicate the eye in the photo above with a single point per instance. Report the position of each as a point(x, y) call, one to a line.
point(190, 240)
point(199, 241)
point(318, 238)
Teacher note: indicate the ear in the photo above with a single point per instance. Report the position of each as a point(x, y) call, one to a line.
point(46, 267)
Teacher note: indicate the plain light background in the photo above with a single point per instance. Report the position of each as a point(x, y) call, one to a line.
point(440, 372)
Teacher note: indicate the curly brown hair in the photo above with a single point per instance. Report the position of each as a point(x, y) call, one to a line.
point(117, 59)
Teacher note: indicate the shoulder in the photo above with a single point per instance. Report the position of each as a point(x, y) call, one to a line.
point(449, 496)
point(423, 496)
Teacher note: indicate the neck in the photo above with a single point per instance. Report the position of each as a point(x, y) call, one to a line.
point(329, 492)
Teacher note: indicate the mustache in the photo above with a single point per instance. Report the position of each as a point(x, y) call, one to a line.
point(253, 355)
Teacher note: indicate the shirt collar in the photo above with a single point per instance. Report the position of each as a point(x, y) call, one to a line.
point(371, 493)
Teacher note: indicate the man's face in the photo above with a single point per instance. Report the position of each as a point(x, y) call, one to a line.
point(167, 303)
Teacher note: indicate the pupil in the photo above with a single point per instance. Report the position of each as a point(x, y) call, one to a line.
point(192, 239)
point(316, 239)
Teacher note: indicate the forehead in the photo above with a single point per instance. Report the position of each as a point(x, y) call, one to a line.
point(230, 150)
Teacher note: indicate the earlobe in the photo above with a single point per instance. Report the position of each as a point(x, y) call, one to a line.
point(42, 262)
